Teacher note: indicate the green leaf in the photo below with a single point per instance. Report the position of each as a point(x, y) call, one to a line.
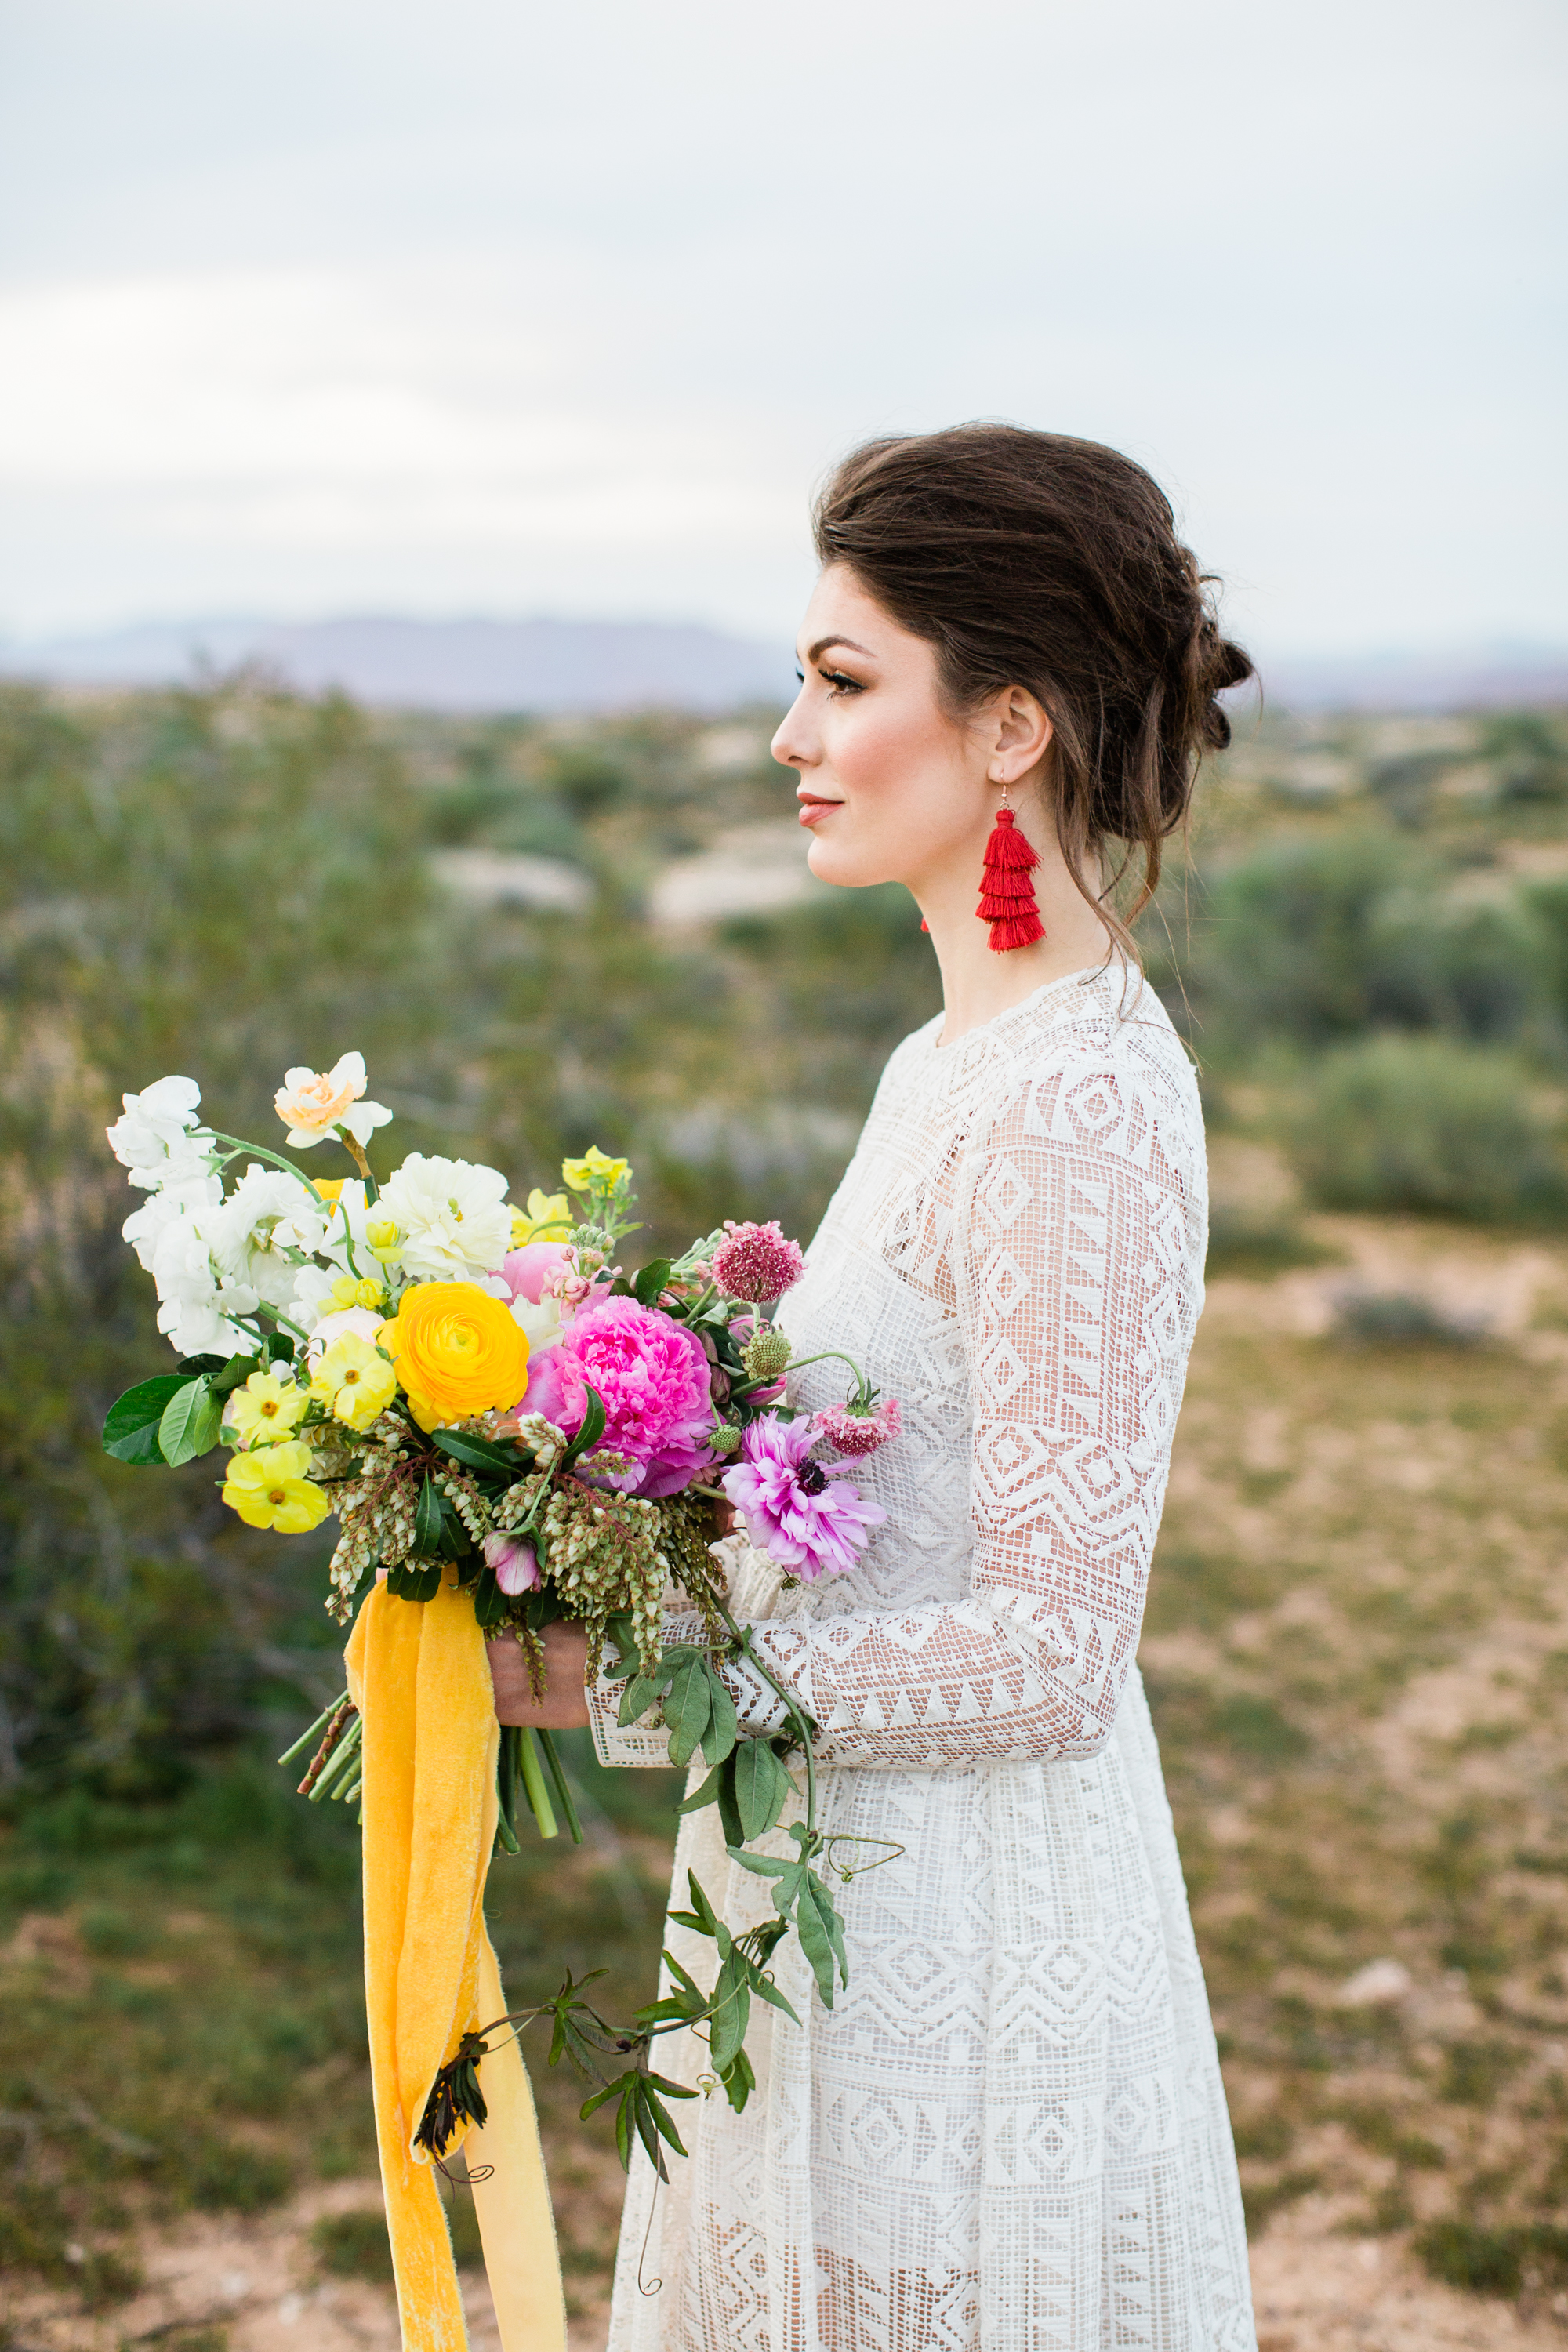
point(723, 1724)
point(592, 1429)
point(815, 1944)
point(732, 2012)
point(232, 1375)
point(739, 2082)
point(637, 1698)
point(762, 1785)
point(490, 1601)
point(413, 1580)
point(610, 2091)
point(620, 1634)
point(191, 1365)
point(707, 1794)
point(648, 1285)
point(190, 1422)
point(455, 1539)
point(820, 1900)
point(478, 1454)
point(279, 1346)
point(765, 1990)
point(687, 1708)
point(763, 1864)
point(427, 1521)
point(130, 1431)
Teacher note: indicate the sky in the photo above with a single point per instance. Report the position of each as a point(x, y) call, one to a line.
point(311, 307)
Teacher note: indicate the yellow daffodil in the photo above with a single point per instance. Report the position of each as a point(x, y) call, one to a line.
point(547, 1218)
point(265, 1411)
point(357, 1290)
point(329, 1187)
point(385, 1239)
point(595, 1171)
point(354, 1380)
point(269, 1489)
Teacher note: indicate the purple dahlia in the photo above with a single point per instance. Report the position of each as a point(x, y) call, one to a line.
point(793, 1509)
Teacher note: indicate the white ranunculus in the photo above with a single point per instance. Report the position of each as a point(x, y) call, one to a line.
point(158, 1139)
point(542, 1323)
point(363, 1322)
point(453, 1216)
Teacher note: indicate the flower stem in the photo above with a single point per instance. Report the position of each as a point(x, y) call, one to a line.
point(533, 1786)
point(355, 1150)
point(262, 1153)
point(801, 1722)
point(863, 1389)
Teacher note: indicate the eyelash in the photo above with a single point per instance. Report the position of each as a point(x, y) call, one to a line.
point(838, 683)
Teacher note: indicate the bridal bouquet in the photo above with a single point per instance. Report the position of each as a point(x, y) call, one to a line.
point(493, 1405)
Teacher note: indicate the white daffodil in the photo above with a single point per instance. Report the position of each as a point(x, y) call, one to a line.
point(313, 1106)
point(159, 1138)
point(453, 1217)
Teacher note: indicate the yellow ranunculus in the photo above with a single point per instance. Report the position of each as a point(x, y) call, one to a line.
point(547, 1218)
point(267, 1410)
point(457, 1349)
point(595, 1171)
point(269, 1489)
point(353, 1381)
point(357, 1290)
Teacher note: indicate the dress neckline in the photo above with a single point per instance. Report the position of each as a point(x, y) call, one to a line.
point(1086, 972)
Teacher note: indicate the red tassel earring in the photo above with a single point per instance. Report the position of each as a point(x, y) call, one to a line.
point(1006, 893)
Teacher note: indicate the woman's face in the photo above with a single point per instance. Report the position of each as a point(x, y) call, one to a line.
point(892, 788)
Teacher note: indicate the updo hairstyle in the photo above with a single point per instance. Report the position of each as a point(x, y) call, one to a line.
point(1028, 559)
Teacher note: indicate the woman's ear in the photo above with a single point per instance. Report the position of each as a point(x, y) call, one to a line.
point(1021, 735)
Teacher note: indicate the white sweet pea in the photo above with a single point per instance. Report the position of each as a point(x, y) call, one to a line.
point(268, 1214)
point(144, 1226)
point(313, 1106)
point(159, 1138)
point(453, 1217)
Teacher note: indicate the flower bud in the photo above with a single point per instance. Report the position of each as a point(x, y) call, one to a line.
point(766, 1353)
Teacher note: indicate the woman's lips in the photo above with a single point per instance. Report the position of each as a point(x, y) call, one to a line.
point(811, 810)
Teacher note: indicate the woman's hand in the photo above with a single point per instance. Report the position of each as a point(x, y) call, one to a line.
point(564, 1707)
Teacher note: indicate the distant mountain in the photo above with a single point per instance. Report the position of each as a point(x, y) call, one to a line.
point(538, 665)
point(601, 666)
point(1461, 678)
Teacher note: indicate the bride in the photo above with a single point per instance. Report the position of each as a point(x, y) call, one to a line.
point(1009, 2134)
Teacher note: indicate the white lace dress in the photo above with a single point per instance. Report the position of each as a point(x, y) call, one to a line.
point(1009, 2134)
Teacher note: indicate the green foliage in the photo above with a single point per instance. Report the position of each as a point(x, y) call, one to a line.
point(353, 2244)
point(1430, 1126)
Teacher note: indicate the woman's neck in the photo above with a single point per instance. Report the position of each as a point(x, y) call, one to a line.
point(978, 983)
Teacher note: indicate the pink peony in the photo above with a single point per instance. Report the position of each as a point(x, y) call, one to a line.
point(793, 1510)
point(651, 1373)
point(756, 1262)
point(858, 1433)
point(515, 1563)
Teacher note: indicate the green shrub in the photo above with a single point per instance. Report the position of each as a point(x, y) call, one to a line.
point(353, 2245)
point(1494, 2262)
point(1426, 1125)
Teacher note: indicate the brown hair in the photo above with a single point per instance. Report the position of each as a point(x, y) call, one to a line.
point(1027, 558)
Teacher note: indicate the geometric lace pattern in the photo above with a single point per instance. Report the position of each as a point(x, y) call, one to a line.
point(1009, 2134)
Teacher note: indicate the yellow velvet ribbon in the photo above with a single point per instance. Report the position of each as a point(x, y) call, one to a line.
point(417, 1674)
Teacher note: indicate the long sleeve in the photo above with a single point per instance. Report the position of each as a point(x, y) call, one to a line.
point(1074, 1261)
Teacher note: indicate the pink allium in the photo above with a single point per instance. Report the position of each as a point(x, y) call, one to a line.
point(651, 1373)
point(515, 1563)
point(756, 1262)
point(792, 1508)
point(858, 1433)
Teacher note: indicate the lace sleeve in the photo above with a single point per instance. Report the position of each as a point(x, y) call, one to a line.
point(1076, 1262)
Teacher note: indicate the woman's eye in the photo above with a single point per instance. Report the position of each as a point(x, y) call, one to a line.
point(838, 683)
point(800, 675)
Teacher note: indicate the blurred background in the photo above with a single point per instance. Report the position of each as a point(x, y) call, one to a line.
point(407, 431)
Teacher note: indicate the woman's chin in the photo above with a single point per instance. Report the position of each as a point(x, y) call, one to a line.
point(833, 861)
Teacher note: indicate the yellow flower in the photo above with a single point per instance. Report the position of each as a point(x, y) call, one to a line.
point(457, 1349)
point(384, 1237)
point(595, 1171)
point(329, 1187)
point(265, 1411)
point(357, 1290)
point(548, 1218)
point(354, 1380)
point(269, 1489)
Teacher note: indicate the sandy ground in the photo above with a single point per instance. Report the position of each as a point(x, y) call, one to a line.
point(1315, 2290)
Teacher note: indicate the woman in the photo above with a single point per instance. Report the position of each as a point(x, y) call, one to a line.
point(1009, 2134)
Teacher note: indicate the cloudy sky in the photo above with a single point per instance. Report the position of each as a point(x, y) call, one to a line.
point(316, 306)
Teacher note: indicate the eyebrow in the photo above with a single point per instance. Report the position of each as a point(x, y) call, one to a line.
point(815, 652)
